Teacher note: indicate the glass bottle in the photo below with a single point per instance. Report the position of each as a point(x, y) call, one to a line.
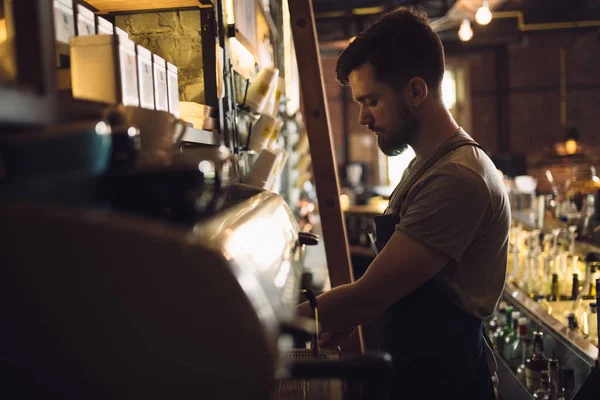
point(575, 287)
point(505, 331)
point(516, 355)
point(567, 380)
point(554, 387)
point(511, 337)
point(536, 364)
point(554, 289)
point(540, 392)
point(525, 354)
point(583, 182)
point(498, 319)
point(593, 323)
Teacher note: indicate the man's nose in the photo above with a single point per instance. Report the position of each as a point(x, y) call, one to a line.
point(365, 118)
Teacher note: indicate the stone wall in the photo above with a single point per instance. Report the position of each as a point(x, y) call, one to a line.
point(176, 37)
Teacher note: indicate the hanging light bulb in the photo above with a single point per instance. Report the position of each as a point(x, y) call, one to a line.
point(483, 16)
point(465, 33)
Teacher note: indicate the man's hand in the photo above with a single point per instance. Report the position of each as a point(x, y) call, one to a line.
point(334, 340)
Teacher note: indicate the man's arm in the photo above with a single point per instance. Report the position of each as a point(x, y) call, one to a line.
point(403, 265)
point(441, 222)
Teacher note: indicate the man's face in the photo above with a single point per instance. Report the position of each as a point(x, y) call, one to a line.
point(383, 110)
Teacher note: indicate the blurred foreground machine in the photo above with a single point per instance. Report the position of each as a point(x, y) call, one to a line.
point(109, 300)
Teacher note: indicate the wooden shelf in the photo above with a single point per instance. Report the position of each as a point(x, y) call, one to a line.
point(108, 6)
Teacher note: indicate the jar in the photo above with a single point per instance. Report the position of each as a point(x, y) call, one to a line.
point(582, 183)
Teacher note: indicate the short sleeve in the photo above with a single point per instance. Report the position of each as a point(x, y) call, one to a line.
point(447, 209)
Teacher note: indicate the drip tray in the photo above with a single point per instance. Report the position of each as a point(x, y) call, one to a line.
point(308, 389)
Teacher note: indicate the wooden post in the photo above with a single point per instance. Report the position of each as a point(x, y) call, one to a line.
point(321, 145)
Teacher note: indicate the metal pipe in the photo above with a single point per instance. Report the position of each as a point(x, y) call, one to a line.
point(543, 26)
point(563, 87)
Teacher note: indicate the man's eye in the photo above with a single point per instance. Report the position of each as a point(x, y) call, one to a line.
point(371, 103)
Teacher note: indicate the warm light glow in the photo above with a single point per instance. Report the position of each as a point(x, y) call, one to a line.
point(483, 16)
point(3, 31)
point(397, 165)
point(449, 89)
point(229, 7)
point(102, 128)
point(344, 202)
point(571, 146)
point(242, 59)
point(132, 131)
point(465, 33)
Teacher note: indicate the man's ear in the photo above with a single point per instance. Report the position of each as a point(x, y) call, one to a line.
point(417, 92)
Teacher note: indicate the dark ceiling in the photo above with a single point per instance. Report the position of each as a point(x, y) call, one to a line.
point(338, 20)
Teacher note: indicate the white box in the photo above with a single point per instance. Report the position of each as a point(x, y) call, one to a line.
point(104, 69)
point(161, 101)
point(173, 89)
point(86, 24)
point(145, 77)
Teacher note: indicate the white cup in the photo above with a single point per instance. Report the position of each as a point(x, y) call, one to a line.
point(259, 89)
point(262, 170)
point(261, 133)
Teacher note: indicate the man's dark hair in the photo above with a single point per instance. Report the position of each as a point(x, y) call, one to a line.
point(400, 46)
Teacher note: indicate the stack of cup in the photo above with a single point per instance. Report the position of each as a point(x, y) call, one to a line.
point(258, 92)
point(261, 173)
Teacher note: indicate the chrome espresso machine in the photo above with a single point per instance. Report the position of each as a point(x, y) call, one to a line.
point(161, 284)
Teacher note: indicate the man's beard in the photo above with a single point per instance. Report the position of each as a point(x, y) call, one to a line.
point(396, 143)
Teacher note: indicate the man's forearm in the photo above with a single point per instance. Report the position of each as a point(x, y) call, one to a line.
point(342, 308)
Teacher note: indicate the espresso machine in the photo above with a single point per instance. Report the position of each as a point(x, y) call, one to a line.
point(110, 290)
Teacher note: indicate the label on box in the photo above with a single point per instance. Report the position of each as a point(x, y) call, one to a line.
point(85, 27)
point(161, 90)
point(64, 24)
point(129, 78)
point(173, 94)
point(146, 85)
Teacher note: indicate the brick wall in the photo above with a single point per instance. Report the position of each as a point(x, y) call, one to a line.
point(533, 92)
point(176, 37)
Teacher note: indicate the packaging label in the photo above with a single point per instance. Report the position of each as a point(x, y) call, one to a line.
point(64, 24)
point(161, 91)
point(85, 27)
point(129, 78)
point(173, 94)
point(146, 85)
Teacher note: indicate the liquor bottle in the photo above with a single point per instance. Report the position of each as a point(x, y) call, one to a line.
point(516, 356)
point(498, 319)
point(505, 331)
point(554, 289)
point(525, 354)
point(593, 322)
point(575, 287)
point(567, 379)
point(554, 387)
point(511, 336)
point(536, 364)
point(540, 392)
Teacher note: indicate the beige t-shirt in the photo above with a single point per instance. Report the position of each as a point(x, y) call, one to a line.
point(460, 207)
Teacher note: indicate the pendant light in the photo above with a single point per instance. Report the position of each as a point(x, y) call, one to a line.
point(483, 16)
point(465, 32)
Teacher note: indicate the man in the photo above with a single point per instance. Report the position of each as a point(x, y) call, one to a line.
point(443, 267)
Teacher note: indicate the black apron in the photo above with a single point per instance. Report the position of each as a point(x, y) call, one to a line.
point(437, 348)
